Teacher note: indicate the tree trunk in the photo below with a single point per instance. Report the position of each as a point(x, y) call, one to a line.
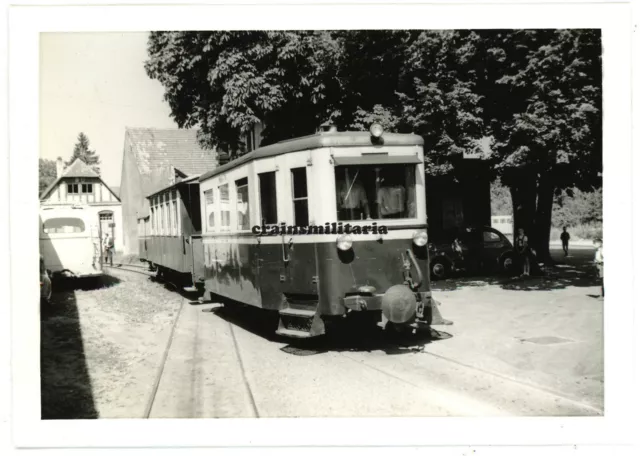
point(523, 197)
point(543, 218)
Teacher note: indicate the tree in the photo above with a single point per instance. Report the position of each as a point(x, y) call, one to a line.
point(47, 172)
point(553, 137)
point(528, 100)
point(81, 150)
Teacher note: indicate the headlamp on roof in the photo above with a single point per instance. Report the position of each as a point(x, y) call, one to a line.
point(376, 130)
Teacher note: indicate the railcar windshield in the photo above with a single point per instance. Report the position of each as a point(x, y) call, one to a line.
point(375, 192)
point(63, 225)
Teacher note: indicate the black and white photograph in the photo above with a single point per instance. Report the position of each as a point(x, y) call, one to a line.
point(323, 222)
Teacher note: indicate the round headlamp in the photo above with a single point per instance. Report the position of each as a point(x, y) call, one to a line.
point(420, 238)
point(376, 130)
point(344, 242)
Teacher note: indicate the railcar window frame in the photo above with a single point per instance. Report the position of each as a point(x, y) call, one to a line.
point(273, 201)
point(302, 170)
point(209, 210)
point(222, 201)
point(242, 185)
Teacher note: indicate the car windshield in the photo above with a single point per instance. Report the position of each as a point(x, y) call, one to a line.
point(376, 192)
point(63, 225)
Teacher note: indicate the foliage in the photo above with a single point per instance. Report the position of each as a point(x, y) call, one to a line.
point(500, 199)
point(47, 173)
point(572, 207)
point(81, 150)
point(575, 207)
point(528, 100)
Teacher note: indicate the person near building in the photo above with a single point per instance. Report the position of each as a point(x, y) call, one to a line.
point(564, 237)
point(109, 247)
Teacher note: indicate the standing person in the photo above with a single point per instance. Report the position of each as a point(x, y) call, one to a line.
point(564, 237)
point(110, 247)
point(104, 247)
point(521, 243)
point(599, 261)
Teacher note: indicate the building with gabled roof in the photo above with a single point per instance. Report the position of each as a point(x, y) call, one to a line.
point(78, 183)
point(153, 159)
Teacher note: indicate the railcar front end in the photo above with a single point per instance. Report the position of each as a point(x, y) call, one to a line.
point(322, 229)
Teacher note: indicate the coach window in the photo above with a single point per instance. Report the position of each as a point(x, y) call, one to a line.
point(242, 203)
point(167, 215)
point(300, 196)
point(225, 213)
point(210, 215)
point(268, 202)
point(175, 217)
point(153, 221)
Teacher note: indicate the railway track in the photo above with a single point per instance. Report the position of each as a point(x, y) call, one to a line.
point(235, 332)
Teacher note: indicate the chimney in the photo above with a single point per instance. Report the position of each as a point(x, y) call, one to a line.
point(59, 167)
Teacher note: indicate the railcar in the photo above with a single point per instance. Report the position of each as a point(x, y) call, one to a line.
point(170, 238)
point(322, 227)
point(70, 242)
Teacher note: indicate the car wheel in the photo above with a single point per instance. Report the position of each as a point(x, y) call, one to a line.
point(440, 269)
point(507, 263)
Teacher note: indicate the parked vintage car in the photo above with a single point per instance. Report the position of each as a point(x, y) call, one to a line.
point(45, 283)
point(470, 249)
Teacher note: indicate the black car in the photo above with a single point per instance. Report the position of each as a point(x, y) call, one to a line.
point(472, 250)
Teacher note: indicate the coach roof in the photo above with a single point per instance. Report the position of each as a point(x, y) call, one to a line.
point(317, 141)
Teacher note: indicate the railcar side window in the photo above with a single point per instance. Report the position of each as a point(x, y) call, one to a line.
point(300, 196)
point(161, 218)
point(268, 203)
point(63, 225)
point(210, 216)
point(376, 192)
point(169, 218)
point(174, 203)
point(242, 203)
point(225, 218)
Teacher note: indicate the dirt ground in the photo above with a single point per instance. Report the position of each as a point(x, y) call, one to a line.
point(101, 343)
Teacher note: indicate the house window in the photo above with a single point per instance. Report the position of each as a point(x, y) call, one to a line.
point(106, 216)
point(268, 203)
point(72, 188)
point(300, 196)
point(242, 203)
point(225, 219)
point(209, 210)
point(87, 188)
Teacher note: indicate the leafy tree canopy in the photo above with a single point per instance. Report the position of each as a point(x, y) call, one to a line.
point(47, 173)
point(528, 100)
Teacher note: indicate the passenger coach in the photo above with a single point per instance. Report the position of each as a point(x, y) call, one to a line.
point(320, 227)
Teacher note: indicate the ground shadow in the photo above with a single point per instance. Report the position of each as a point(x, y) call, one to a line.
point(65, 384)
point(574, 271)
point(345, 337)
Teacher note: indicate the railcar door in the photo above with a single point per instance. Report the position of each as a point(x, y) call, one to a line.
point(300, 276)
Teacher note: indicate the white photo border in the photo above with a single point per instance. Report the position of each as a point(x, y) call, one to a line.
point(29, 431)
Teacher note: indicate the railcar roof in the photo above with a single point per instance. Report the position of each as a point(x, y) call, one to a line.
point(187, 180)
point(317, 141)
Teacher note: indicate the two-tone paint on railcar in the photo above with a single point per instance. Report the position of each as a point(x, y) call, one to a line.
point(353, 180)
point(169, 237)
